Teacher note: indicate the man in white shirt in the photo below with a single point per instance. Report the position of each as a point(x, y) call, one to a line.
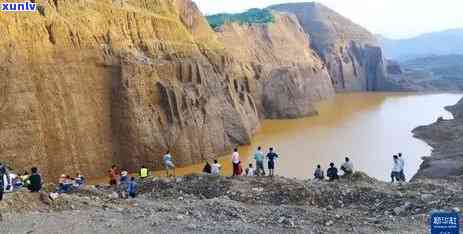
point(347, 167)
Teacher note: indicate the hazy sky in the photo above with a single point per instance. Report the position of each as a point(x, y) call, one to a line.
point(392, 18)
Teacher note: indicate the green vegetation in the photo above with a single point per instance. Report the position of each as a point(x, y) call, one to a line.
point(252, 16)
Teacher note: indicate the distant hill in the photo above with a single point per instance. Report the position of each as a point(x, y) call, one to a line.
point(435, 43)
point(432, 73)
point(446, 67)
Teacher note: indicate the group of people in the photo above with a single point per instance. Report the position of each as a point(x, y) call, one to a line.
point(213, 169)
point(122, 180)
point(12, 182)
point(259, 157)
point(67, 184)
point(397, 174)
point(332, 173)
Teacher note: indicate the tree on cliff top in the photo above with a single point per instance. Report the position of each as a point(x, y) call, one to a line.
point(252, 16)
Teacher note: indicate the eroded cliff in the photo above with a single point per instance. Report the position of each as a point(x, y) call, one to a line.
point(289, 77)
point(354, 59)
point(85, 84)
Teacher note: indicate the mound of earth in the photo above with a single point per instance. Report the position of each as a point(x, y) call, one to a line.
point(205, 204)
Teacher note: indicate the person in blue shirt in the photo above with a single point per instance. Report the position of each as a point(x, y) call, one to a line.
point(271, 156)
point(332, 172)
point(259, 157)
point(132, 188)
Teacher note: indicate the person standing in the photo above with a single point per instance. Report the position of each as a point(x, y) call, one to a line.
point(332, 172)
point(124, 178)
point(169, 164)
point(4, 180)
point(113, 175)
point(132, 188)
point(396, 169)
point(347, 167)
point(35, 180)
point(259, 157)
point(215, 168)
point(271, 156)
point(318, 174)
point(144, 172)
point(236, 163)
point(402, 165)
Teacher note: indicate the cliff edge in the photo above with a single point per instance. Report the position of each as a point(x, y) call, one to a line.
point(446, 138)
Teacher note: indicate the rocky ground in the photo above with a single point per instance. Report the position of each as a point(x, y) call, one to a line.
point(205, 204)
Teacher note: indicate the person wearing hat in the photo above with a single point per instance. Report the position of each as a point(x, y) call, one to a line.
point(124, 177)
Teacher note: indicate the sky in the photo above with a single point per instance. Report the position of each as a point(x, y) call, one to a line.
point(395, 19)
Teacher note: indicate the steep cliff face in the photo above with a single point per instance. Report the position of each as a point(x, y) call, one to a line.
point(85, 84)
point(351, 53)
point(289, 76)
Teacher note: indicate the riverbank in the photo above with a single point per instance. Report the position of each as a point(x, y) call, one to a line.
point(205, 204)
point(446, 139)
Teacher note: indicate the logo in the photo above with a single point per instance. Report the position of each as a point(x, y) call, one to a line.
point(18, 6)
point(445, 223)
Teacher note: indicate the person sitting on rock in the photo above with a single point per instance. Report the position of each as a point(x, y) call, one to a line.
point(318, 174)
point(17, 182)
point(396, 169)
point(215, 168)
point(25, 179)
point(64, 184)
point(35, 181)
point(132, 188)
point(250, 171)
point(347, 167)
point(332, 172)
point(79, 181)
point(207, 168)
point(168, 164)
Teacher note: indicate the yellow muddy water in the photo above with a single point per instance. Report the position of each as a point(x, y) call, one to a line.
point(367, 127)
